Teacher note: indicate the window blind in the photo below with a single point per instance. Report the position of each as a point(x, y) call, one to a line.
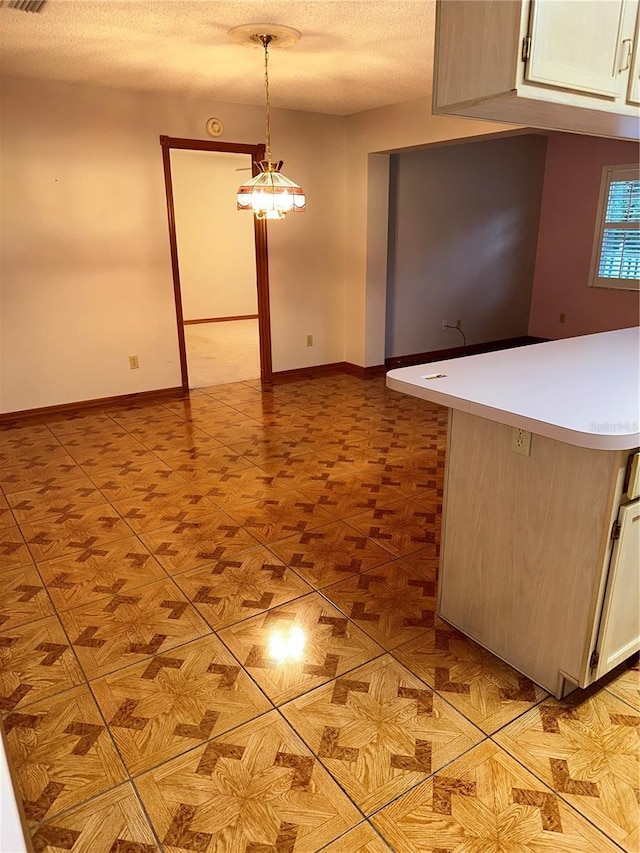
point(620, 254)
point(620, 247)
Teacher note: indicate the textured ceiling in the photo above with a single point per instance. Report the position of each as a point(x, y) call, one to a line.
point(351, 56)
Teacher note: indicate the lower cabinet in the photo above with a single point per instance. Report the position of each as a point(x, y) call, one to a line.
point(531, 565)
point(619, 630)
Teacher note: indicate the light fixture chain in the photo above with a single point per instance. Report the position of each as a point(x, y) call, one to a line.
point(269, 194)
point(265, 42)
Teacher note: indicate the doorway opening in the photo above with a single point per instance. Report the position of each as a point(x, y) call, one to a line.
point(222, 351)
point(461, 245)
point(219, 263)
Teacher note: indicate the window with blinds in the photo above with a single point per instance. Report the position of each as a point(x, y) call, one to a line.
point(616, 250)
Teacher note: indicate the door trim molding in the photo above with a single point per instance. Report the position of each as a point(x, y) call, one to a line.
point(257, 153)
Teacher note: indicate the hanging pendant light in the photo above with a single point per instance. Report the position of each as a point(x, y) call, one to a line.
point(270, 194)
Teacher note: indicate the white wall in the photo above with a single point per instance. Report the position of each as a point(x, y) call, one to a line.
point(216, 245)
point(85, 264)
point(463, 234)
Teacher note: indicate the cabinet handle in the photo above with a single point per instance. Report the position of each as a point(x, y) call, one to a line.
point(627, 63)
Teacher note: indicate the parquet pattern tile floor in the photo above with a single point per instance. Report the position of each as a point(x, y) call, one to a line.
point(218, 635)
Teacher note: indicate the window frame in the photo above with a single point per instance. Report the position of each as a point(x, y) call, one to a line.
point(610, 174)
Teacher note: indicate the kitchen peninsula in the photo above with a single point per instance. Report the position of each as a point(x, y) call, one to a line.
point(541, 519)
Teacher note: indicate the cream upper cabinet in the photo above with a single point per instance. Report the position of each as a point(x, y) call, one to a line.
point(633, 96)
point(577, 45)
point(557, 64)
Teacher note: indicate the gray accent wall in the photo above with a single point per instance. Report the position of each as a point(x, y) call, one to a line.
point(463, 228)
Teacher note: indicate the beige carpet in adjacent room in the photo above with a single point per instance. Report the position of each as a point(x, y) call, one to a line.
point(218, 353)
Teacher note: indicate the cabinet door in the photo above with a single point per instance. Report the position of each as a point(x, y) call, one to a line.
point(633, 95)
point(620, 624)
point(577, 45)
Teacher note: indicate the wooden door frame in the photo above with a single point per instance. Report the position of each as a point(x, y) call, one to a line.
point(256, 153)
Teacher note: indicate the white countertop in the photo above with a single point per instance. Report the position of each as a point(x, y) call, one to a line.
point(583, 391)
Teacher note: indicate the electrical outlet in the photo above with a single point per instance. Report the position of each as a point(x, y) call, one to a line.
point(445, 325)
point(458, 324)
point(134, 364)
point(309, 340)
point(563, 317)
point(521, 441)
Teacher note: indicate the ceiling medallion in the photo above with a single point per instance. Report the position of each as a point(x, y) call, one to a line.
point(250, 35)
